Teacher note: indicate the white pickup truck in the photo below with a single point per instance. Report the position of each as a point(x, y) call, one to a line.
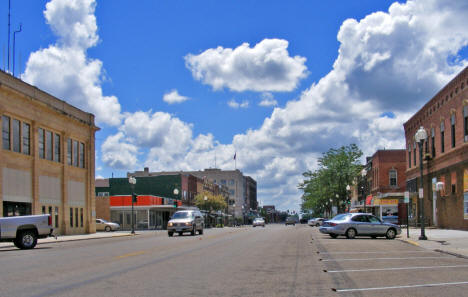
point(24, 231)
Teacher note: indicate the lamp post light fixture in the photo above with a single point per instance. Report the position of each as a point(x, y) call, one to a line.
point(364, 174)
point(420, 137)
point(132, 181)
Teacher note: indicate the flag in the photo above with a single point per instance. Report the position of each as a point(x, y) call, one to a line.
point(235, 155)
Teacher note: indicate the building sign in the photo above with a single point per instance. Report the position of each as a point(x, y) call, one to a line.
point(465, 205)
point(465, 194)
point(378, 201)
point(465, 181)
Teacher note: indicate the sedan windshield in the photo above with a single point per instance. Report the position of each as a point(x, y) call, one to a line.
point(181, 215)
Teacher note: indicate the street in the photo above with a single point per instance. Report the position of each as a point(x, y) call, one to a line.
point(274, 261)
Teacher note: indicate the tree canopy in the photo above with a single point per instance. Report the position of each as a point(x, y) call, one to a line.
point(326, 186)
point(212, 202)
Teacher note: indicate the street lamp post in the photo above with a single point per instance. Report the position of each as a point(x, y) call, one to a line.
point(420, 137)
point(132, 181)
point(363, 174)
point(348, 199)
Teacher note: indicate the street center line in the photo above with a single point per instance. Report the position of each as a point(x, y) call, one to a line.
point(400, 287)
point(131, 254)
point(370, 259)
point(395, 268)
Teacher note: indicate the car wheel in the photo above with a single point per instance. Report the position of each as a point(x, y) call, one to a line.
point(170, 234)
point(317, 225)
point(193, 231)
point(108, 228)
point(351, 233)
point(333, 235)
point(27, 240)
point(391, 234)
point(373, 236)
point(180, 233)
point(200, 231)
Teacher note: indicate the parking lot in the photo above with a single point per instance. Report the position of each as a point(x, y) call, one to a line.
point(381, 267)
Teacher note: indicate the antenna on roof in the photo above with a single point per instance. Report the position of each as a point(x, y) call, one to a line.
point(8, 62)
point(14, 43)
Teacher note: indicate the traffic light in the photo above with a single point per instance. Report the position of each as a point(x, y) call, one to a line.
point(175, 203)
point(134, 198)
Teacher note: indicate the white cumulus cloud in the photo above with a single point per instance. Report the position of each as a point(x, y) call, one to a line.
point(174, 97)
point(64, 70)
point(265, 67)
point(234, 104)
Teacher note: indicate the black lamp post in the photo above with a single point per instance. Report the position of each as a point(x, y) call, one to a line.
point(132, 181)
point(420, 137)
point(364, 174)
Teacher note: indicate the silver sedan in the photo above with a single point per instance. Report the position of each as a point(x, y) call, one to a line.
point(258, 222)
point(359, 224)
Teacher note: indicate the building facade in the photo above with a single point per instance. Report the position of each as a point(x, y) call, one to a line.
point(46, 157)
point(445, 156)
point(242, 189)
point(386, 176)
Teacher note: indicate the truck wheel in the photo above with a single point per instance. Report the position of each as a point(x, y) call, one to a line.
point(27, 240)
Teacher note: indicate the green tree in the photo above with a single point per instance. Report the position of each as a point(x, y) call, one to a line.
point(210, 202)
point(326, 186)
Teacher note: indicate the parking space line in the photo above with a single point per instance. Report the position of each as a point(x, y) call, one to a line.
point(371, 259)
point(386, 252)
point(399, 287)
point(395, 268)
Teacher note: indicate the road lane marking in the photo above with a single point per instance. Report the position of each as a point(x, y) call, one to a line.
point(370, 259)
point(131, 254)
point(395, 268)
point(400, 287)
point(344, 253)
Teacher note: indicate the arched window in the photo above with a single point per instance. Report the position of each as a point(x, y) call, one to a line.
point(393, 177)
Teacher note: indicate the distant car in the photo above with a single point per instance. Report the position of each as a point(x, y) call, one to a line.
point(316, 222)
point(258, 222)
point(186, 221)
point(290, 221)
point(303, 221)
point(359, 224)
point(103, 225)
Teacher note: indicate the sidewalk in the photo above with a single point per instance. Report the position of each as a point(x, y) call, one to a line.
point(62, 238)
point(454, 242)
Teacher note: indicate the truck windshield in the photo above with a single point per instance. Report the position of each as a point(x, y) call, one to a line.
point(181, 215)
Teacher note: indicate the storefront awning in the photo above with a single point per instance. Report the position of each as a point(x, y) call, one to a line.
point(369, 200)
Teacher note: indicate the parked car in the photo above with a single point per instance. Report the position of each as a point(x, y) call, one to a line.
point(186, 221)
point(258, 222)
point(303, 221)
point(24, 231)
point(290, 221)
point(390, 219)
point(315, 222)
point(103, 225)
point(359, 224)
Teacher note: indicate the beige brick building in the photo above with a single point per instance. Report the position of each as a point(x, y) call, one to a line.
point(46, 157)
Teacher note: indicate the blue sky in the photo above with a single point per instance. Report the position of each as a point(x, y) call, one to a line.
point(329, 73)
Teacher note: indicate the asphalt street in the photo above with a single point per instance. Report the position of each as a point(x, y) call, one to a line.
point(274, 261)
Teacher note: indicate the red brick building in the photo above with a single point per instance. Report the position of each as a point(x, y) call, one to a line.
point(445, 156)
point(387, 181)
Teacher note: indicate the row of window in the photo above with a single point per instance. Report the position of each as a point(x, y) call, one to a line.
point(442, 137)
point(16, 137)
point(392, 174)
point(438, 105)
point(78, 215)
